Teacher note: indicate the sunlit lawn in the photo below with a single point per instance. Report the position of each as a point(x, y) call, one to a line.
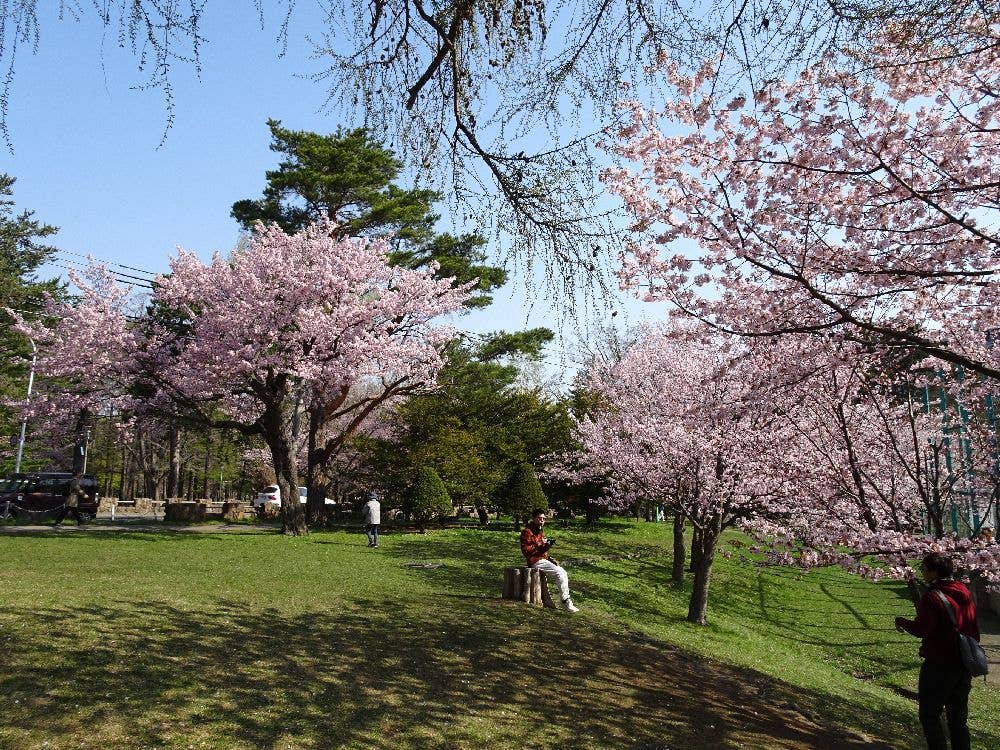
point(179, 639)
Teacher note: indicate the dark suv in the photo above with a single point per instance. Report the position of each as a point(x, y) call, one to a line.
point(45, 491)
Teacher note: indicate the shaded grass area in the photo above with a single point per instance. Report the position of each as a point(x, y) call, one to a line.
point(178, 640)
point(820, 628)
point(375, 676)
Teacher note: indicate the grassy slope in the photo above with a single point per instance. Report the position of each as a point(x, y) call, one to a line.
point(248, 640)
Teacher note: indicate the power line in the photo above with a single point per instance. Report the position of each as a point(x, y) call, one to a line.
point(91, 256)
point(117, 275)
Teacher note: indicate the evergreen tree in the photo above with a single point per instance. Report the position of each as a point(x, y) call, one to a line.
point(349, 178)
point(428, 499)
point(522, 493)
point(20, 289)
point(477, 425)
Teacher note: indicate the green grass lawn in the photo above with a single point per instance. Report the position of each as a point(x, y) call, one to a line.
point(183, 639)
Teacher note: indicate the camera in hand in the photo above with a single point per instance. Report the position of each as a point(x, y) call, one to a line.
point(550, 542)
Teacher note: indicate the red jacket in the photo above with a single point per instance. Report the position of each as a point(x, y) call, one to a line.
point(933, 624)
point(534, 547)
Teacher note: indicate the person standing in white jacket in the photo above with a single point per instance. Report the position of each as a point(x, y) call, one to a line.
point(371, 516)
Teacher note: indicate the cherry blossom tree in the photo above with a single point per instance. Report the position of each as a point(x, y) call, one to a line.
point(819, 449)
point(854, 206)
point(681, 421)
point(240, 342)
point(855, 201)
point(886, 467)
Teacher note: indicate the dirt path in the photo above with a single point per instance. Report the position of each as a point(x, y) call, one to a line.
point(990, 638)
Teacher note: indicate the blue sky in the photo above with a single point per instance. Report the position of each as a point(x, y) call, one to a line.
point(88, 156)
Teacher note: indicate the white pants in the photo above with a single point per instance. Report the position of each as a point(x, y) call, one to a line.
point(554, 571)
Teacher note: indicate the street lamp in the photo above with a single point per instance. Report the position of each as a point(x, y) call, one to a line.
point(24, 420)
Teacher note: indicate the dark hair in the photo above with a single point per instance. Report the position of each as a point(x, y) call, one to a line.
point(940, 563)
point(537, 512)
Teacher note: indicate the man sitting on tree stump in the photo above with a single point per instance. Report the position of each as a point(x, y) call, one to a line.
point(535, 547)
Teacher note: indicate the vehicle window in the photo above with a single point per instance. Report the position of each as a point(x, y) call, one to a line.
point(272, 488)
point(53, 485)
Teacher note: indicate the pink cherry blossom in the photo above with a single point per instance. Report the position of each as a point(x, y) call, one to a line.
point(838, 202)
point(286, 323)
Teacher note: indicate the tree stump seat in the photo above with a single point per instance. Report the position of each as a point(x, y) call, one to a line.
point(527, 584)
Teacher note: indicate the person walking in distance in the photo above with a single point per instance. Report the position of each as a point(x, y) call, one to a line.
point(944, 682)
point(535, 548)
point(71, 506)
point(371, 516)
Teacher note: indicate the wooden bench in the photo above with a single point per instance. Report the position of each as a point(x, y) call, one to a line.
point(528, 585)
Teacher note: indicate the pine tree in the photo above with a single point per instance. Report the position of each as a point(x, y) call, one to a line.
point(20, 289)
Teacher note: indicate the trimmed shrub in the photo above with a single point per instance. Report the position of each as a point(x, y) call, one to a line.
point(522, 493)
point(428, 498)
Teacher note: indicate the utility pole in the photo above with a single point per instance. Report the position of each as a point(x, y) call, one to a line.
point(24, 420)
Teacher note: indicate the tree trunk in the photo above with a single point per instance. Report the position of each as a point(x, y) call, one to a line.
point(696, 548)
point(145, 454)
point(208, 458)
point(677, 573)
point(220, 458)
point(316, 512)
point(511, 583)
point(174, 472)
point(698, 606)
point(274, 428)
point(293, 517)
point(241, 485)
point(122, 472)
point(80, 446)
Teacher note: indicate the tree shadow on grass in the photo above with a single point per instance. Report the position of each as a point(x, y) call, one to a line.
point(139, 532)
point(465, 674)
point(472, 560)
point(851, 627)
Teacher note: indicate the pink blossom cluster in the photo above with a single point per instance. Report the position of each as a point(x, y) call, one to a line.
point(286, 320)
point(839, 222)
point(838, 201)
point(682, 424)
point(332, 313)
